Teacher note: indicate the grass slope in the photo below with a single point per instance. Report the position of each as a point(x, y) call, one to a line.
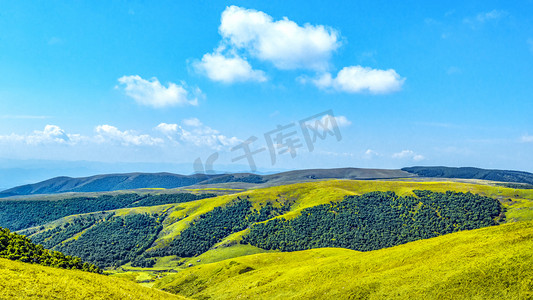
point(518, 202)
point(487, 263)
point(26, 281)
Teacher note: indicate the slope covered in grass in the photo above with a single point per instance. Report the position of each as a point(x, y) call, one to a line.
point(488, 263)
point(175, 218)
point(26, 281)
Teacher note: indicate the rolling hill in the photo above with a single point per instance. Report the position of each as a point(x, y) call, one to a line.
point(128, 181)
point(114, 182)
point(162, 244)
point(104, 183)
point(69, 234)
point(488, 263)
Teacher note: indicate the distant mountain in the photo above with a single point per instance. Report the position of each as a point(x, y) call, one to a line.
point(126, 181)
point(113, 182)
point(472, 173)
point(104, 183)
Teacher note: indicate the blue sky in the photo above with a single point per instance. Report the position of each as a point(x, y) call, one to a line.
point(165, 83)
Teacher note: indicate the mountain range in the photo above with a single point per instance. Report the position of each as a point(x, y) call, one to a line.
point(126, 181)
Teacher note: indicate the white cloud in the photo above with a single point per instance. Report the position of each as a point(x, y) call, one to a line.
point(357, 79)
point(153, 93)
point(369, 154)
point(218, 67)
point(284, 43)
point(341, 121)
point(108, 133)
point(52, 134)
point(167, 129)
point(197, 134)
point(484, 17)
point(527, 138)
point(408, 154)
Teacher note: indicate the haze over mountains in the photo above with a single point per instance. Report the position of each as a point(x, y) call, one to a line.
point(113, 182)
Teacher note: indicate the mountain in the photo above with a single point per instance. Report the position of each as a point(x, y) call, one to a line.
point(472, 173)
point(113, 182)
point(109, 182)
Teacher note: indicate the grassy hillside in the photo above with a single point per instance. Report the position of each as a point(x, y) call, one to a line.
point(177, 217)
point(488, 263)
point(223, 270)
point(26, 281)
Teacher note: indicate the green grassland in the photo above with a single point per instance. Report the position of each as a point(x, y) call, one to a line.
point(27, 281)
point(177, 217)
point(488, 263)
point(228, 270)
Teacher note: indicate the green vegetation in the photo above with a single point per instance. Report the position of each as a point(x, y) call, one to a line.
point(52, 237)
point(27, 281)
point(114, 241)
point(20, 248)
point(376, 220)
point(489, 263)
point(217, 224)
point(20, 214)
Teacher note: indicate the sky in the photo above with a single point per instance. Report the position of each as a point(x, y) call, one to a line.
point(190, 86)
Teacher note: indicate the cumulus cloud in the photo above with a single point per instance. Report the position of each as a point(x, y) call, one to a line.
point(51, 134)
point(108, 133)
point(341, 121)
point(196, 133)
point(527, 138)
point(167, 128)
point(369, 154)
point(283, 43)
point(219, 67)
point(357, 79)
point(153, 93)
point(408, 154)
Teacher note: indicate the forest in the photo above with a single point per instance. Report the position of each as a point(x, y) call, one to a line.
point(376, 220)
point(21, 214)
point(113, 241)
point(214, 226)
point(19, 248)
